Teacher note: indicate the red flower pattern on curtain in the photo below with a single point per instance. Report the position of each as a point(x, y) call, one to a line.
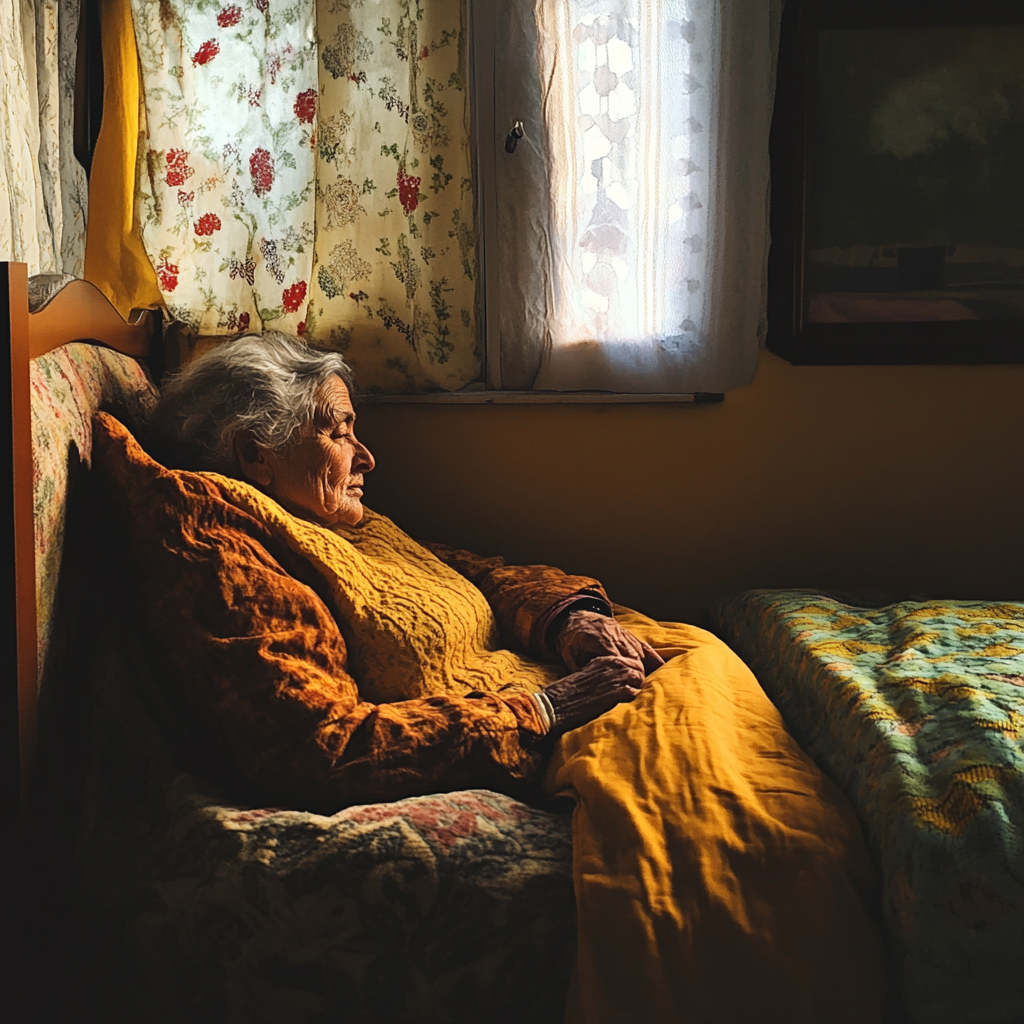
point(305, 106)
point(314, 176)
point(231, 104)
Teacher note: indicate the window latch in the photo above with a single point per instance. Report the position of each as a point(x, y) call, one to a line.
point(513, 137)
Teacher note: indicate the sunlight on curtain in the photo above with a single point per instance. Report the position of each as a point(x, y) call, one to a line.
point(226, 190)
point(395, 246)
point(42, 186)
point(656, 122)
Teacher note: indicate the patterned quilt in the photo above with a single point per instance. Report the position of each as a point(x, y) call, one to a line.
point(916, 710)
point(68, 385)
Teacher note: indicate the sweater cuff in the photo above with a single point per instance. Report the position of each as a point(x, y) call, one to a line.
point(548, 624)
point(547, 709)
point(527, 710)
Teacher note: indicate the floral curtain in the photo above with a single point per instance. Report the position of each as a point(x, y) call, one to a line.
point(309, 170)
point(43, 192)
point(227, 181)
point(394, 287)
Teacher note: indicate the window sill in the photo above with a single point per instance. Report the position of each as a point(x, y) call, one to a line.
point(541, 398)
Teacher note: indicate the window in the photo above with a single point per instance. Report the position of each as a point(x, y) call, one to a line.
point(624, 239)
point(308, 168)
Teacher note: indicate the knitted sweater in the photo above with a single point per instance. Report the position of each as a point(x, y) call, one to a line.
point(331, 668)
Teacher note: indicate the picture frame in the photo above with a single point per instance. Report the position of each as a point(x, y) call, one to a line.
point(897, 204)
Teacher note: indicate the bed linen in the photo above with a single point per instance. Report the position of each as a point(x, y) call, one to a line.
point(68, 385)
point(916, 710)
point(720, 876)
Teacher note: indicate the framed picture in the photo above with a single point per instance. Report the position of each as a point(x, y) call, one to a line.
point(898, 183)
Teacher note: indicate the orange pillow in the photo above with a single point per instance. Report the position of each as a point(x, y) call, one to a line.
point(252, 656)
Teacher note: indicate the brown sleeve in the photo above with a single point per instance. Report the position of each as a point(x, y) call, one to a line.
point(255, 661)
point(525, 599)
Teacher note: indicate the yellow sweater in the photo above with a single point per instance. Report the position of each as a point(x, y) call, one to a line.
point(414, 627)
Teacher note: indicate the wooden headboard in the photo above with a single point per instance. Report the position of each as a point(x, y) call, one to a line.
point(78, 312)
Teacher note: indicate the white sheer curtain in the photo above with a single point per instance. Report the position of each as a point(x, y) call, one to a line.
point(650, 240)
point(43, 191)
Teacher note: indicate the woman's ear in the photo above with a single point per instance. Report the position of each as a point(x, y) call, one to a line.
point(252, 459)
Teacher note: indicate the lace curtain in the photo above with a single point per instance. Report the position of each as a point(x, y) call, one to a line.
point(43, 197)
point(648, 238)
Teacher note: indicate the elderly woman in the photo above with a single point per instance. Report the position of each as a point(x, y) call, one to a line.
point(330, 659)
point(452, 683)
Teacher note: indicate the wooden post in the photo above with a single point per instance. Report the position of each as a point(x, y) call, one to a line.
point(18, 555)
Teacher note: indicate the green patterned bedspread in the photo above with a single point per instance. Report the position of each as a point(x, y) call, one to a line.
point(916, 710)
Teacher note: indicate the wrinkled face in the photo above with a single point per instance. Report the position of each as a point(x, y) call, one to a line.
point(320, 475)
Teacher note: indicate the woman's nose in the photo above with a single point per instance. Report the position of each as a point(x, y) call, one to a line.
point(364, 457)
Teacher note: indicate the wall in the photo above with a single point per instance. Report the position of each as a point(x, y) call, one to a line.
point(906, 480)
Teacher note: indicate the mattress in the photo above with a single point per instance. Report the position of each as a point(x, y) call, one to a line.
point(916, 710)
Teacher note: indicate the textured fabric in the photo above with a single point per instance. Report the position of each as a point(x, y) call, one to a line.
point(916, 710)
point(447, 908)
point(43, 287)
point(413, 627)
point(227, 188)
point(635, 238)
point(115, 259)
point(719, 875)
point(43, 198)
point(257, 661)
point(395, 285)
point(68, 386)
point(526, 599)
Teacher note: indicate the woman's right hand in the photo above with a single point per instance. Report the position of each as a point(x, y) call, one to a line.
point(601, 684)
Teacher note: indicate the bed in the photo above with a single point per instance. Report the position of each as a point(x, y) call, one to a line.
point(173, 901)
point(177, 900)
point(916, 710)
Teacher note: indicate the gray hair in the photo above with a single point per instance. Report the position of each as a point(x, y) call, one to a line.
point(269, 384)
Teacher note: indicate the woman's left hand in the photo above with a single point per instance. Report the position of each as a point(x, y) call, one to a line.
point(588, 635)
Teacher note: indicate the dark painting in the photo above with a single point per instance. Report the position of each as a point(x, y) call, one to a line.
point(916, 175)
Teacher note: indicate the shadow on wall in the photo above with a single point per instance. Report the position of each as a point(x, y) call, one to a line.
point(905, 480)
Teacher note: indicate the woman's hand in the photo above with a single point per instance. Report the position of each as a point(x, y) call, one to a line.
point(605, 681)
point(589, 635)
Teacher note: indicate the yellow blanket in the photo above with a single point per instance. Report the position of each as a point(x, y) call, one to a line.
point(719, 875)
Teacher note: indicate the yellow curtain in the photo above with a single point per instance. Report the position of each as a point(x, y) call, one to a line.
point(115, 260)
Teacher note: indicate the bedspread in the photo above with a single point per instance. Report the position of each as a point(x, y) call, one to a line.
point(916, 710)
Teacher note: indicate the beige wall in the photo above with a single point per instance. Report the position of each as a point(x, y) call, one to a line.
point(901, 479)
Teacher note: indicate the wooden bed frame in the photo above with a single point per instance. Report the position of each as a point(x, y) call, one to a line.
point(79, 312)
